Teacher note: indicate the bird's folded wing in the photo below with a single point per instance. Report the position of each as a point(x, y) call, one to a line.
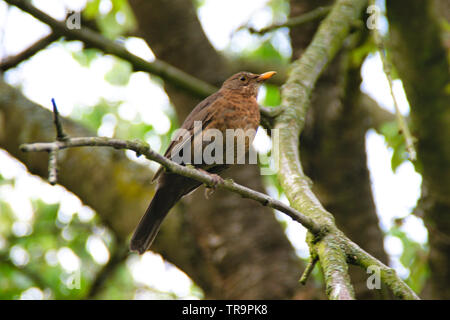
point(203, 112)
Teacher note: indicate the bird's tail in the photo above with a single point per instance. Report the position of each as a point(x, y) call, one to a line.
point(150, 223)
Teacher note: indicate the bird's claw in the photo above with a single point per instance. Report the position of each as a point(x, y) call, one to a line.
point(216, 179)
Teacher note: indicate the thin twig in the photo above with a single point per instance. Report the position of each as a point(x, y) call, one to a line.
point(404, 129)
point(13, 61)
point(53, 167)
point(309, 268)
point(60, 135)
point(317, 13)
point(376, 115)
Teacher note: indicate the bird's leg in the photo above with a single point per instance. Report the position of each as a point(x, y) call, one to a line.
point(216, 180)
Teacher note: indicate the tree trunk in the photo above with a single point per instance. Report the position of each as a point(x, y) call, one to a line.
point(420, 58)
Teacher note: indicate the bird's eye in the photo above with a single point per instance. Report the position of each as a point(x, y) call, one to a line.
point(243, 78)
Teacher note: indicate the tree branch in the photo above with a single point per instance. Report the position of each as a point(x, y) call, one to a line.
point(358, 256)
point(160, 68)
point(312, 15)
point(60, 135)
point(142, 148)
point(335, 270)
point(13, 61)
point(376, 115)
point(333, 249)
point(309, 269)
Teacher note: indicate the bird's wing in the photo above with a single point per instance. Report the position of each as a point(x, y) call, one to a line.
point(203, 112)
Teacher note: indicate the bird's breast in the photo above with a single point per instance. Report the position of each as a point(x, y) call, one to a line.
point(238, 113)
point(238, 119)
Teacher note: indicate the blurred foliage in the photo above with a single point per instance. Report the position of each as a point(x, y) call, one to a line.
point(34, 260)
point(120, 73)
point(92, 117)
point(199, 3)
point(414, 258)
point(86, 56)
point(265, 52)
point(280, 10)
point(117, 21)
point(37, 266)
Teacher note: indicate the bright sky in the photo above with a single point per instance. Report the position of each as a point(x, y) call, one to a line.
point(74, 86)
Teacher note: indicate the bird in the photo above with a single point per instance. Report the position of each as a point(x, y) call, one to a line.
point(233, 106)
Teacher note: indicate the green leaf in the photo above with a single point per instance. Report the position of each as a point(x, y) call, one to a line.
point(395, 140)
point(398, 156)
point(361, 52)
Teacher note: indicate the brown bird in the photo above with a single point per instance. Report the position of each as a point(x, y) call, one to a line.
point(234, 106)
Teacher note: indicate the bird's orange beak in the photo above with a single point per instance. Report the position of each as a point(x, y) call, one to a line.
point(265, 75)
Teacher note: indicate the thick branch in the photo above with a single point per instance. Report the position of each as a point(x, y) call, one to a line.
point(335, 270)
point(295, 102)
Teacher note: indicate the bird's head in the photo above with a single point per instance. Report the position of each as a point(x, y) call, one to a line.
point(246, 83)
